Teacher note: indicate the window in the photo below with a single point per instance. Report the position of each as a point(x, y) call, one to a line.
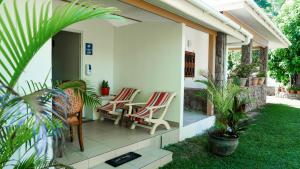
point(189, 70)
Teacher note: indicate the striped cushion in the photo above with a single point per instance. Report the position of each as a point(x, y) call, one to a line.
point(125, 94)
point(156, 99)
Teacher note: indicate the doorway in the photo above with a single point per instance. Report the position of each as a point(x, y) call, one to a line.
point(66, 56)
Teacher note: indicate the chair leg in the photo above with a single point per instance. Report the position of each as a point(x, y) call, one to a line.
point(152, 131)
point(166, 124)
point(71, 134)
point(118, 119)
point(80, 138)
point(133, 125)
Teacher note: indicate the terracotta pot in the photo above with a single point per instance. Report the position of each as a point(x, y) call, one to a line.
point(291, 92)
point(243, 81)
point(105, 91)
point(261, 80)
point(221, 145)
point(254, 81)
point(298, 92)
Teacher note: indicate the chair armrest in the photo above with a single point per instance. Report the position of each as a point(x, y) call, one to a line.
point(156, 107)
point(133, 104)
point(130, 105)
point(121, 101)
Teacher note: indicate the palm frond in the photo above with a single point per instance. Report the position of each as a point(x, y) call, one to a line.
point(28, 119)
point(22, 41)
point(84, 90)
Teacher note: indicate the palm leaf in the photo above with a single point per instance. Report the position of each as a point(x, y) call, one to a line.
point(21, 41)
point(84, 90)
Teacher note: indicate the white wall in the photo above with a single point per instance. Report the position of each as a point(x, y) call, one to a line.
point(149, 56)
point(199, 45)
point(101, 34)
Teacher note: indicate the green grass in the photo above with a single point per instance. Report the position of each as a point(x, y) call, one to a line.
point(273, 142)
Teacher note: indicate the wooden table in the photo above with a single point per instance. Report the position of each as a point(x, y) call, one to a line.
point(125, 110)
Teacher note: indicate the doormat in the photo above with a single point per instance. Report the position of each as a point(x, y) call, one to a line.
point(122, 159)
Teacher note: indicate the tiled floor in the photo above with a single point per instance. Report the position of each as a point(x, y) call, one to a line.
point(190, 117)
point(101, 137)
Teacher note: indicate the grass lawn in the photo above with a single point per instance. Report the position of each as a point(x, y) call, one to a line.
point(272, 142)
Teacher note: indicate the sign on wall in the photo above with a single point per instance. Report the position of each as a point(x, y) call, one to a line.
point(88, 48)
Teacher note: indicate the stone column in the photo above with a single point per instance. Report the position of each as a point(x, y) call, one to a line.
point(220, 62)
point(247, 53)
point(264, 61)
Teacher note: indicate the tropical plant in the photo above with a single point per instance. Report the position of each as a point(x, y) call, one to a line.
point(26, 120)
point(284, 63)
point(82, 89)
point(261, 74)
point(244, 70)
point(229, 103)
point(234, 59)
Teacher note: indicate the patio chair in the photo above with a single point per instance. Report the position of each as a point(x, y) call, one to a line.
point(109, 110)
point(158, 102)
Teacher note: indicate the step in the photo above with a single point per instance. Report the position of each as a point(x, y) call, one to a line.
point(152, 158)
point(155, 142)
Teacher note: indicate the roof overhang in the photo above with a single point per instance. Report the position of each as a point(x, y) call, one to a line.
point(199, 12)
point(248, 12)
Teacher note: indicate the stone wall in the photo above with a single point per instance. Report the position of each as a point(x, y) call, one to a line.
point(193, 102)
point(258, 97)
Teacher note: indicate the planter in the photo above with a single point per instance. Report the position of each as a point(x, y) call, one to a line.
point(298, 92)
point(222, 146)
point(243, 81)
point(254, 81)
point(292, 92)
point(105, 91)
point(261, 81)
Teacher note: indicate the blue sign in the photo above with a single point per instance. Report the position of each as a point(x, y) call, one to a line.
point(89, 49)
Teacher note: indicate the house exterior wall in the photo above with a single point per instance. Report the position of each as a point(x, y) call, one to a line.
point(101, 34)
point(198, 43)
point(149, 56)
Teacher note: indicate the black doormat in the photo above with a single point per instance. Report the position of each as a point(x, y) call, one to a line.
point(122, 159)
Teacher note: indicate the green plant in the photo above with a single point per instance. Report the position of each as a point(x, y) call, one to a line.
point(26, 121)
point(84, 90)
point(244, 70)
point(229, 105)
point(284, 63)
point(292, 87)
point(104, 84)
point(261, 74)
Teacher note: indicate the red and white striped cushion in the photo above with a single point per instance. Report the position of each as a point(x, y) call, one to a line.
point(156, 99)
point(125, 94)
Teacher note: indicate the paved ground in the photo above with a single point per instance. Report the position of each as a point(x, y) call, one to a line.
point(277, 100)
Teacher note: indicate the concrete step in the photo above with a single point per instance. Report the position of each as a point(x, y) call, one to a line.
point(152, 158)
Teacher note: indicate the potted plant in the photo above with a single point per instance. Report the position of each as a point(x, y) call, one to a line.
point(230, 116)
point(243, 72)
point(261, 77)
point(298, 91)
point(292, 89)
point(104, 88)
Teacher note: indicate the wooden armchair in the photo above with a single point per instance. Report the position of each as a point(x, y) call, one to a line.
point(110, 109)
point(159, 101)
point(73, 112)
